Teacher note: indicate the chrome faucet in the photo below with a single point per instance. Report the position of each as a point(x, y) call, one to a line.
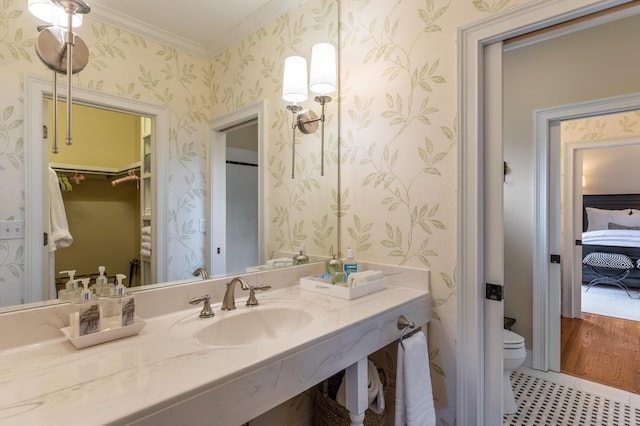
point(201, 271)
point(206, 312)
point(228, 301)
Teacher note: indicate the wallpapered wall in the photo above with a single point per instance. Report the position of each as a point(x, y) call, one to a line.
point(397, 133)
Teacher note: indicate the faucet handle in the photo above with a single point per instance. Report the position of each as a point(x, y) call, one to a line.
point(252, 301)
point(206, 312)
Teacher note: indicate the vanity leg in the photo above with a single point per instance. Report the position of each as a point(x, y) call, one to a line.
point(356, 391)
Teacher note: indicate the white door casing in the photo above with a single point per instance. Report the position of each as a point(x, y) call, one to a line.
point(36, 178)
point(472, 394)
point(216, 178)
point(547, 291)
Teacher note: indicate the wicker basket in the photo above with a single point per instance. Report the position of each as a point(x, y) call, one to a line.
point(328, 412)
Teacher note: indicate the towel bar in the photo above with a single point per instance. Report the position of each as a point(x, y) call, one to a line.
point(404, 324)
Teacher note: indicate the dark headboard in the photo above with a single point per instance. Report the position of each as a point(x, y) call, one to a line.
point(609, 202)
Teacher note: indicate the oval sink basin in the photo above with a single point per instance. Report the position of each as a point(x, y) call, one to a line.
point(250, 325)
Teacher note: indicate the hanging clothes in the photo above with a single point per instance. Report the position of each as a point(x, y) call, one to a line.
point(59, 235)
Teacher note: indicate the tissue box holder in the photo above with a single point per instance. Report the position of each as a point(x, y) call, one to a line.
point(309, 284)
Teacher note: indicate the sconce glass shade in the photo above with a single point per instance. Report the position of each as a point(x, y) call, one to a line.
point(52, 14)
point(294, 81)
point(323, 69)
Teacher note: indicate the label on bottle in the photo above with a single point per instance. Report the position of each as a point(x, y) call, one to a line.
point(88, 319)
point(348, 269)
point(128, 311)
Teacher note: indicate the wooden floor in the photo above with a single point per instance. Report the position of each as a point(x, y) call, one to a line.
point(602, 349)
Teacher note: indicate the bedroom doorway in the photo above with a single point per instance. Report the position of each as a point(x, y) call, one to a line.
point(599, 337)
point(550, 220)
point(605, 194)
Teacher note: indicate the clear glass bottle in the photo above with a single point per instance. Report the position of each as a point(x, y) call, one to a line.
point(119, 309)
point(86, 315)
point(301, 258)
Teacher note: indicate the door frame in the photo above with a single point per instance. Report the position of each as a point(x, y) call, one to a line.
point(474, 389)
point(546, 309)
point(36, 195)
point(216, 183)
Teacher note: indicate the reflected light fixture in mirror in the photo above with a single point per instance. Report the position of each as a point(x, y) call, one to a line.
point(294, 90)
point(323, 81)
point(55, 47)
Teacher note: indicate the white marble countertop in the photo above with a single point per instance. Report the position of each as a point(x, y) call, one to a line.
point(130, 380)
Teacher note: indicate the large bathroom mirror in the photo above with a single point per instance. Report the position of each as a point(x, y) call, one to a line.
point(297, 212)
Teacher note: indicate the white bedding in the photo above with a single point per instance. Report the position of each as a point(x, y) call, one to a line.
point(612, 237)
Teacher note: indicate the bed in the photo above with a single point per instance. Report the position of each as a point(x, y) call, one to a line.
point(611, 236)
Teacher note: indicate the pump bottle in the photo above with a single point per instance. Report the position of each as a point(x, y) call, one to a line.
point(86, 315)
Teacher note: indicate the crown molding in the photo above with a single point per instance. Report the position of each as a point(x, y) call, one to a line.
point(253, 22)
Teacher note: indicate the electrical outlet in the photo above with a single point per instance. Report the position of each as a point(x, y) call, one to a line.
point(11, 229)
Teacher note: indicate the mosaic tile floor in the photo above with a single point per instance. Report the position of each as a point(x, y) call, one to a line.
point(542, 402)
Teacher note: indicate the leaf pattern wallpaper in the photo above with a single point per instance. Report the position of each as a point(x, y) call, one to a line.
point(394, 123)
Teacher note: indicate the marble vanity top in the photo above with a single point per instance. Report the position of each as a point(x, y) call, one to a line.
point(165, 370)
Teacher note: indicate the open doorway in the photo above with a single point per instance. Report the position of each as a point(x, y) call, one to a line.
point(599, 331)
point(236, 206)
point(105, 188)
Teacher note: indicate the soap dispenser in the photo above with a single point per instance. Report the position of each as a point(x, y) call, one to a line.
point(102, 286)
point(301, 258)
point(71, 292)
point(334, 268)
point(119, 309)
point(85, 318)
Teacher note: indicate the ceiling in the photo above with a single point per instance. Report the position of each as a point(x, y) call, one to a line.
point(202, 28)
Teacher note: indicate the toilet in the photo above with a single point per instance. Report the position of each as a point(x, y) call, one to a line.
point(514, 355)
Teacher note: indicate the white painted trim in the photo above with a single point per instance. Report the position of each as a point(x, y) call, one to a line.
point(217, 155)
point(36, 178)
point(493, 211)
point(546, 308)
point(265, 14)
point(472, 38)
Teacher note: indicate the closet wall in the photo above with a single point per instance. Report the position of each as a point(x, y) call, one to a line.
point(104, 220)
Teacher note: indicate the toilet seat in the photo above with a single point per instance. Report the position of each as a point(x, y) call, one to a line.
point(511, 340)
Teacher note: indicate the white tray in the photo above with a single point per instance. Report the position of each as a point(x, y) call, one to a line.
point(104, 336)
point(307, 283)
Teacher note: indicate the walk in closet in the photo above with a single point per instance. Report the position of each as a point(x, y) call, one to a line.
point(105, 179)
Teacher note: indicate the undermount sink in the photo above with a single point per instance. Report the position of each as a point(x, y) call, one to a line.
point(246, 326)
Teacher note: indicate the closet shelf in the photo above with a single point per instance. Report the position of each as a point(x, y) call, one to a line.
point(95, 170)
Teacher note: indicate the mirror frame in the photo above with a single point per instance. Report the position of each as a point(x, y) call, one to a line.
point(36, 179)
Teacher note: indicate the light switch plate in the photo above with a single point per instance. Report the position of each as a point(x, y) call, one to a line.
point(11, 229)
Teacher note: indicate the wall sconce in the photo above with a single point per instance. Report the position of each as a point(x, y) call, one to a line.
point(323, 81)
point(56, 45)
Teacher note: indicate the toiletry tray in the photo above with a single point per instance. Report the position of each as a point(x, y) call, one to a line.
point(336, 290)
point(105, 335)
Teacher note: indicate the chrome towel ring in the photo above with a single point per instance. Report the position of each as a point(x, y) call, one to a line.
point(404, 324)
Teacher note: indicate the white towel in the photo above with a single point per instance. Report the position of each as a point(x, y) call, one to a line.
point(145, 253)
point(358, 278)
point(59, 235)
point(146, 246)
point(414, 397)
point(375, 391)
point(146, 230)
point(146, 238)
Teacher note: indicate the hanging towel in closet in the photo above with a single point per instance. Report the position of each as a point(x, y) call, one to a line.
point(59, 235)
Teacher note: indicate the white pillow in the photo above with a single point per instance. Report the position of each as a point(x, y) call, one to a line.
point(599, 219)
point(631, 220)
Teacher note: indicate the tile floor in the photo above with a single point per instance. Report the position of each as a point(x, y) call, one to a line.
point(549, 398)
